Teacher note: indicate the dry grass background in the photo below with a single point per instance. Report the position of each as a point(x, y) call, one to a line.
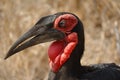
point(101, 19)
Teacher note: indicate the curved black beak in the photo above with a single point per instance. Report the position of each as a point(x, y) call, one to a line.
point(42, 31)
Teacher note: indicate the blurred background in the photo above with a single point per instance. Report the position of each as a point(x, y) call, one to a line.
point(101, 19)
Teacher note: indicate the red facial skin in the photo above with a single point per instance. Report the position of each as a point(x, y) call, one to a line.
point(59, 51)
point(71, 21)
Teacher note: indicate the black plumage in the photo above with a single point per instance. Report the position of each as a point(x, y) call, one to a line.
point(73, 70)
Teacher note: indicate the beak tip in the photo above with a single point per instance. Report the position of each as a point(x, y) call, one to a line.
point(6, 57)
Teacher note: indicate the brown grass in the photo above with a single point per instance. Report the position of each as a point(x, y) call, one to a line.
point(101, 19)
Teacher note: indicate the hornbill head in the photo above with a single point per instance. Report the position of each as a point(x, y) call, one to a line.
point(62, 27)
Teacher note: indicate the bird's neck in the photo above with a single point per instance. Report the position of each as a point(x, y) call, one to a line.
point(72, 67)
point(61, 51)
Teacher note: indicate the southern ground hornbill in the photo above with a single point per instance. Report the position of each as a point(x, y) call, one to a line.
point(67, 49)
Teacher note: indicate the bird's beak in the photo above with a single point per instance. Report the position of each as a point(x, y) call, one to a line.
point(43, 31)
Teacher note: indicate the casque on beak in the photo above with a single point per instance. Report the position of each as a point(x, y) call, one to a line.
point(41, 32)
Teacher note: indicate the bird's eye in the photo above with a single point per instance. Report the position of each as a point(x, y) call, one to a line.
point(62, 24)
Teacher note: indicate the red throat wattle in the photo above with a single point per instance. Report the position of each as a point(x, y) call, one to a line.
point(60, 51)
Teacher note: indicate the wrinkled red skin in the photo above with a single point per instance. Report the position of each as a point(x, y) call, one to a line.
point(60, 51)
